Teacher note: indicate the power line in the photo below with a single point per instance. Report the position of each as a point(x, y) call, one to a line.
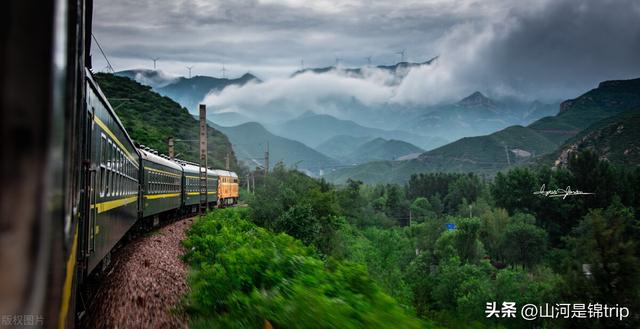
point(103, 54)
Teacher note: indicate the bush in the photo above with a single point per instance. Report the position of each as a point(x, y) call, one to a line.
point(244, 276)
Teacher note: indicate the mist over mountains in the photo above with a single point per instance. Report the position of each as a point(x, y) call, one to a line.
point(302, 114)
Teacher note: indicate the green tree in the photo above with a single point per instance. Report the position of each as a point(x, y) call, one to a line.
point(467, 244)
point(514, 190)
point(493, 226)
point(603, 264)
point(421, 209)
point(299, 222)
point(524, 243)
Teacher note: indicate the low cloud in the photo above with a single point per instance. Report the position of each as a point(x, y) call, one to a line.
point(305, 92)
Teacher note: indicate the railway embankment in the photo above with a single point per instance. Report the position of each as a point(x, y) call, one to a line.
point(145, 283)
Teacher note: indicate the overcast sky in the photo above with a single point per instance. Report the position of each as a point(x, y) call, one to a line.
point(548, 49)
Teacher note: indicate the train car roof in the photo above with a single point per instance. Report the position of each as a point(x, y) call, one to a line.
point(110, 109)
point(146, 155)
point(216, 172)
point(226, 173)
point(189, 168)
point(194, 169)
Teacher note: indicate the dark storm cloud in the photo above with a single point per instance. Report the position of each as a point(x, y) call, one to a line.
point(544, 48)
point(569, 45)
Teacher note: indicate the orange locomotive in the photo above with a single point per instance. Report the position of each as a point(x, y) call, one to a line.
point(228, 193)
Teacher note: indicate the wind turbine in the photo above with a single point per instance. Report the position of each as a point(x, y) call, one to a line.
point(337, 61)
point(368, 58)
point(302, 64)
point(401, 53)
point(224, 71)
point(154, 62)
point(189, 68)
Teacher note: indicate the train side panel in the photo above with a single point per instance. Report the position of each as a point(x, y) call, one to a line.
point(191, 187)
point(112, 179)
point(161, 185)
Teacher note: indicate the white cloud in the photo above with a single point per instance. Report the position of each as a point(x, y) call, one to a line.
point(304, 92)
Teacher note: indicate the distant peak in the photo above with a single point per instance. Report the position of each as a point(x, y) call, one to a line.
point(308, 113)
point(248, 76)
point(477, 99)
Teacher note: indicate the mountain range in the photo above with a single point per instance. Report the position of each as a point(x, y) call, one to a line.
point(400, 68)
point(186, 91)
point(190, 91)
point(250, 141)
point(476, 115)
point(353, 150)
point(426, 127)
point(490, 134)
point(314, 129)
point(603, 119)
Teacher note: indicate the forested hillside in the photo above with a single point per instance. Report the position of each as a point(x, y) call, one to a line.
point(150, 119)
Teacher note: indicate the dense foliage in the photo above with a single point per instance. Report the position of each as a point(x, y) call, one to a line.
point(248, 277)
point(444, 245)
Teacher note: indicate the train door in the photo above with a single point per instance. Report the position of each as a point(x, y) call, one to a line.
point(90, 206)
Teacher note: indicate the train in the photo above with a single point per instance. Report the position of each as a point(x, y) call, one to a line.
point(130, 183)
point(74, 183)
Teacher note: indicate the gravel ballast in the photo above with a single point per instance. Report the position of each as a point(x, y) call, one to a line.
point(145, 283)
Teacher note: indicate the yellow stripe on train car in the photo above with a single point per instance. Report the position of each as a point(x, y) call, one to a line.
point(161, 196)
point(197, 193)
point(108, 205)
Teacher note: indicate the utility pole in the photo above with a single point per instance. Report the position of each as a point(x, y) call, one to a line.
point(204, 196)
point(266, 160)
point(506, 151)
point(171, 143)
point(253, 182)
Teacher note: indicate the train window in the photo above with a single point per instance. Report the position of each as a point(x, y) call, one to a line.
point(103, 168)
point(119, 161)
point(120, 178)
